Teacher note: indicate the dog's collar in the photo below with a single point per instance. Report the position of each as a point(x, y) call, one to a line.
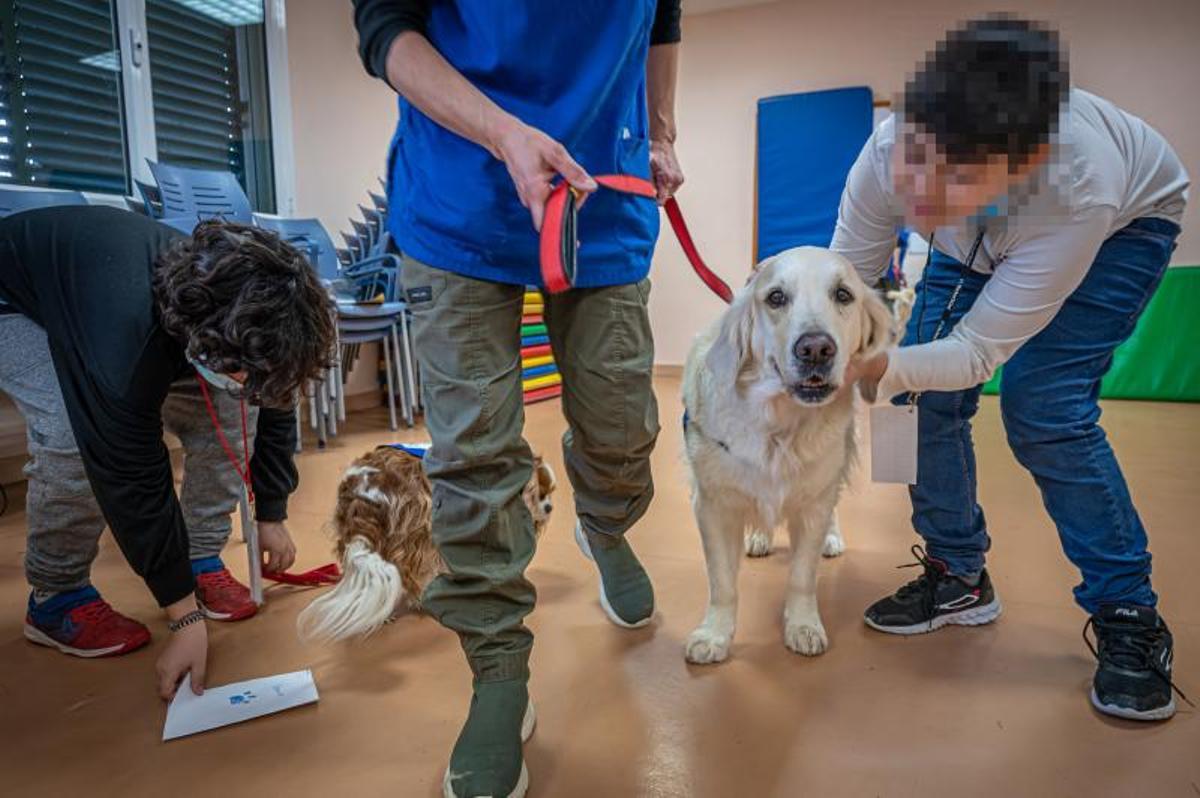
point(687, 420)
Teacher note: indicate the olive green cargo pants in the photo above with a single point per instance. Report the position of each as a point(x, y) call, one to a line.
point(467, 337)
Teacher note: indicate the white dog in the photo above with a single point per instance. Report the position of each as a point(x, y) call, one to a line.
point(770, 433)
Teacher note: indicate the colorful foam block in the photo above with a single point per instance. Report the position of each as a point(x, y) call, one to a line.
point(542, 394)
point(541, 382)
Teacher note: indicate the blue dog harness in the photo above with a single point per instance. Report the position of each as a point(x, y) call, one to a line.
point(687, 419)
point(417, 450)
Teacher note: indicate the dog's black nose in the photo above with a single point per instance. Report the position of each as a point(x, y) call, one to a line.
point(815, 348)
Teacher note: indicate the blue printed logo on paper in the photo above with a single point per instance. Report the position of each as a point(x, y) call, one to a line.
point(242, 698)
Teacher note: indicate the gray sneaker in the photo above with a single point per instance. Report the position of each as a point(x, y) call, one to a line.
point(487, 761)
point(625, 590)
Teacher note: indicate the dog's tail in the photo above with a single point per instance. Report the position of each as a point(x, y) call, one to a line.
point(361, 602)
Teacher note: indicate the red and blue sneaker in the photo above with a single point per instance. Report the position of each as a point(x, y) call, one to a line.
point(80, 623)
point(220, 596)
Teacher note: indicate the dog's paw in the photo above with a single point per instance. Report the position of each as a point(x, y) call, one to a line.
point(706, 646)
point(758, 543)
point(834, 545)
point(805, 639)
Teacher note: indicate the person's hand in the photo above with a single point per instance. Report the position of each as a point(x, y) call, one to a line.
point(186, 653)
point(278, 550)
point(533, 160)
point(867, 373)
point(665, 169)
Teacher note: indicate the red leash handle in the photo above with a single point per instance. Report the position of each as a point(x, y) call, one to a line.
point(550, 245)
point(558, 274)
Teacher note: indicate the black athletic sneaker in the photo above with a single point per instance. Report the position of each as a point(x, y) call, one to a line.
point(1134, 652)
point(933, 600)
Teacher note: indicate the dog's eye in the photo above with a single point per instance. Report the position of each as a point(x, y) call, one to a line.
point(777, 298)
point(843, 295)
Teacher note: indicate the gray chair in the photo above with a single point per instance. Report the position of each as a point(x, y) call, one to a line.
point(14, 199)
point(357, 322)
point(184, 224)
point(151, 198)
point(200, 193)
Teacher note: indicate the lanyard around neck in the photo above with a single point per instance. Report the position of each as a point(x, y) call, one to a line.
point(243, 472)
point(964, 269)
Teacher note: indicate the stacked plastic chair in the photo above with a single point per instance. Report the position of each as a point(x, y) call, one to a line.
point(370, 242)
point(368, 311)
point(540, 379)
point(14, 199)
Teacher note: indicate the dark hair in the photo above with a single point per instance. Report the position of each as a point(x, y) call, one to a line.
point(992, 87)
point(240, 299)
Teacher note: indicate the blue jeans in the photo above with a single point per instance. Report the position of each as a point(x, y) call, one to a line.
point(1048, 399)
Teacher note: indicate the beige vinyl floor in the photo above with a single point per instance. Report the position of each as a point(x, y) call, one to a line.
point(993, 711)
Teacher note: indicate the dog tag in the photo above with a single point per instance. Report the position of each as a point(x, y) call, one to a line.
point(894, 444)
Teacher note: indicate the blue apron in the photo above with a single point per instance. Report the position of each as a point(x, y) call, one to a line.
point(575, 70)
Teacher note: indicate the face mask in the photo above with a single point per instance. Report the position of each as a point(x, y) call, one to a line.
point(222, 381)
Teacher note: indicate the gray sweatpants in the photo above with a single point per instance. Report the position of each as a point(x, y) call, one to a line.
point(64, 520)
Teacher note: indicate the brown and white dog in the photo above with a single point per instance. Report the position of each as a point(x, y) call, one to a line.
point(382, 528)
point(770, 433)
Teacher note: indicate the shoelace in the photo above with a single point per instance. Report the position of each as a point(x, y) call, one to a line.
point(926, 584)
point(1130, 647)
point(218, 579)
point(96, 612)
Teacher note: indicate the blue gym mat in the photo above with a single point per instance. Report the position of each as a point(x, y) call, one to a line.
point(806, 146)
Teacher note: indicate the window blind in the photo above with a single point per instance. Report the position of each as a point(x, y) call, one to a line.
point(60, 96)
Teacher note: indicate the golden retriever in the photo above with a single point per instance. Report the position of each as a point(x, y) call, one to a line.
point(770, 431)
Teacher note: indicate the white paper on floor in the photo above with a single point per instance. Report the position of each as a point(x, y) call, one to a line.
point(189, 713)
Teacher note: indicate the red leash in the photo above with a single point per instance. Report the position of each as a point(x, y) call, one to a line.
point(326, 574)
point(559, 240)
point(718, 286)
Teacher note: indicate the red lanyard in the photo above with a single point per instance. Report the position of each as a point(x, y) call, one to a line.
point(557, 250)
point(243, 473)
point(326, 574)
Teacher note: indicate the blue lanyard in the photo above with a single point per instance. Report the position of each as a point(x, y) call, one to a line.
point(953, 300)
point(950, 303)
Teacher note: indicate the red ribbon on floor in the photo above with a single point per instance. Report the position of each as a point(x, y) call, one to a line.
point(325, 575)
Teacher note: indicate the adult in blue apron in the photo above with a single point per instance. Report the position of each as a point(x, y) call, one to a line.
point(499, 102)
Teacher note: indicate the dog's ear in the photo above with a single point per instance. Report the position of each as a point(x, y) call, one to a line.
point(731, 357)
point(754, 270)
point(545, 478)
point(877, 326)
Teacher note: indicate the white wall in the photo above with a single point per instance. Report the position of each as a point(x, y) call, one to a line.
point(1144, 56)
point(342, 117)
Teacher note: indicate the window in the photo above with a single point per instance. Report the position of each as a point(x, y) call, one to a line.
point(208, 74)
point(90, 89)
point(61, 96)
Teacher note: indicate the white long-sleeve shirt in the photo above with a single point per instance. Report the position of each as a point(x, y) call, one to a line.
point(1108, 168)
